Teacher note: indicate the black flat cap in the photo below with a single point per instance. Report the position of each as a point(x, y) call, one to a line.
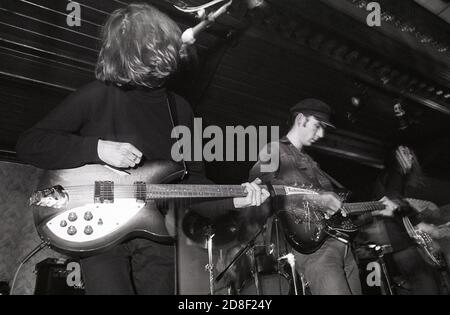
point(310, 106)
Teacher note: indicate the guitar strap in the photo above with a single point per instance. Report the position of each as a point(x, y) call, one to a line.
point(332, 180)
point(272, 221)
point(171, 104)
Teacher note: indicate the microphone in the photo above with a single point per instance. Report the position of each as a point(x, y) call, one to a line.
point(189, 35)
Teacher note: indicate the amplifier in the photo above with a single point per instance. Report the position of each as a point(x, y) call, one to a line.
point(57, 276)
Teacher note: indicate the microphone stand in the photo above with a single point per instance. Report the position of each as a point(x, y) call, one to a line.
point(210, 266)
point(189, 35)
point(291, 261)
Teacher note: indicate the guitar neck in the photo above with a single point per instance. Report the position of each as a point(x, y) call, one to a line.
point(174, 191)
point(356, 208)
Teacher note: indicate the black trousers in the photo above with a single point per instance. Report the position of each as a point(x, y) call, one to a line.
point(136, 267)
point(422, 278)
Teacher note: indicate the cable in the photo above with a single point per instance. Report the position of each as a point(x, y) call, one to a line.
point(28, 257)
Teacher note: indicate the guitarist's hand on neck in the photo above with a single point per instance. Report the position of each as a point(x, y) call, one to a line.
point(389, 210)
point(255, 195)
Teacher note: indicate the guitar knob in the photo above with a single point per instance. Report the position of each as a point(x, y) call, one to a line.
point(71, 230)
point(72, 216)
point(88, 230)
point(88, 216)
point(100, 222)
point(63, 223)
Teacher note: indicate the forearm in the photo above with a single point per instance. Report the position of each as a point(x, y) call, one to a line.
point(50, 149)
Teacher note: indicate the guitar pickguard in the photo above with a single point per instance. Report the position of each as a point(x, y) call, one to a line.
point(340, 223)
point(93, 221)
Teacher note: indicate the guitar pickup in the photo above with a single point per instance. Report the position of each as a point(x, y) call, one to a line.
point(104, 192)
point(140, 191)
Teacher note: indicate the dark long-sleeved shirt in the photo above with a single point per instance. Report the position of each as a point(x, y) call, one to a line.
point(68, 136)
point(295, 168)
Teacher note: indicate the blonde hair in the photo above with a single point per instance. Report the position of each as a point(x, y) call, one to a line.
point(140, 46)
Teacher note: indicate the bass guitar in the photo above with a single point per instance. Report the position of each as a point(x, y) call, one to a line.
point(85, 210)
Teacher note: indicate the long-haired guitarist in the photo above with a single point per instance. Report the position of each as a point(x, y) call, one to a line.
point(330, 269)
point(122, 119)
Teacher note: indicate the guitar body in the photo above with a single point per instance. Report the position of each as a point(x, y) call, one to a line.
point(306, 227)
point(90, 217)
point(304, 236)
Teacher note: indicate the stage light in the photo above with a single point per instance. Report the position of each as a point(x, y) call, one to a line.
point(356, 101)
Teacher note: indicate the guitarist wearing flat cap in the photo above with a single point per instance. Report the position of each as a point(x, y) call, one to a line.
point(329, 268)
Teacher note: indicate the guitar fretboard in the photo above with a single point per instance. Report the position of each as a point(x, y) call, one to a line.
point(160, 191)
point(362, 207)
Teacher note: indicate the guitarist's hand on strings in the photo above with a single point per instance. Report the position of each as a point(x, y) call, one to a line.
point(255, 195)
point(330, 204)
point(118, 154)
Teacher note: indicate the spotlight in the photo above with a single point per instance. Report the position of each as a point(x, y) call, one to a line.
point(356, 101)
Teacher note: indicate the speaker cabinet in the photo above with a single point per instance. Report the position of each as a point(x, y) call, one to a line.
point(58, 277)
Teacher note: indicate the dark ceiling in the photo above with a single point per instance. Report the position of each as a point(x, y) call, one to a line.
point(253, 64)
